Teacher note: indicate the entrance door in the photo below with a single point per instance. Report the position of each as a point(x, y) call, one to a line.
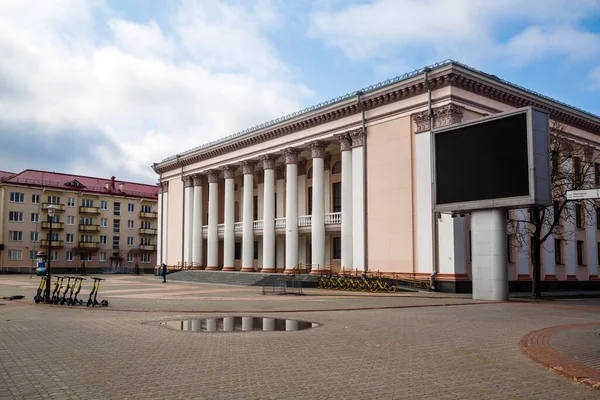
point(308, 255)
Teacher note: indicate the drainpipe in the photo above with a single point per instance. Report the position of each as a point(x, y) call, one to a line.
point(182, 213)
point(434, 222)
point(365, 197)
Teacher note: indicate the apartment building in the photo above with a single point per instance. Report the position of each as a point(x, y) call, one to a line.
point(348, 183)
point(107, 223)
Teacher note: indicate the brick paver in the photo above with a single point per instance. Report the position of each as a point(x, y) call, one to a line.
point(465, 351)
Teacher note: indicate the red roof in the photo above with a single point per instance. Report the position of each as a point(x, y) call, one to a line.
point(80, 183)
point(4, 174)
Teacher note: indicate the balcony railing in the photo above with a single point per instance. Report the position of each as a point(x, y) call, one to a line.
point(148, 214)
point(89, 245)
point(59, 207)
point(89, 210)
point(258, 225)
point(221, 228)
point(305, 220)
point(57, 226)
point(238, 227)
point(89, 228)
point(333, 218)
point(279, 223)
point(55, 243)
point(148, 247)
point(148, 231)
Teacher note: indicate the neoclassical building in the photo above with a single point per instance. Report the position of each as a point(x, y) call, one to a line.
point(347, 184)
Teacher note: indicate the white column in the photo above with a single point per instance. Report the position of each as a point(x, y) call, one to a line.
point(358, 201)
point(570, 227)
point(549, 258)
point(524, 254)
point(347, 242)
point(327, 185)
point(592, 243)
point(188, 214)
point(159, 230)
point(291, 209)
point(165, 224)
point(212, 248)
point(280, 262)
point(197, 223)
point(489, 266)
point(268, 253)
point(248, 218)
point(318, 208)
point(301, 168)
point(452, 245)
point(229, 220)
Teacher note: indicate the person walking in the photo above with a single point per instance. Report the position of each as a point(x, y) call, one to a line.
point(164, 273)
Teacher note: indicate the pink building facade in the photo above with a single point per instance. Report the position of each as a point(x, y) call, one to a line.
point(347, 185)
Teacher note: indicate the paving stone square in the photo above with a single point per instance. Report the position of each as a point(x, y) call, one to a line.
point(370, 346)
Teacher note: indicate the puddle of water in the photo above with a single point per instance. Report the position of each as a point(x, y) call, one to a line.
point(238, 324)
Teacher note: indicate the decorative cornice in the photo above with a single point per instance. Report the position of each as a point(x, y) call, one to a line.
point(187, 181)
point(357, 137)
point(228, 171)
point(291, 155)
point(345, 141)
point(268, 161)
point(248, 167)
point(449, 114)
point(213, 176)
point(317, 149)
point(163, 187)
point(301, 167)
point(279, 173)
point(198, 179)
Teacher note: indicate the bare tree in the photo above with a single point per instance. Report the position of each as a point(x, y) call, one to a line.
point(572, 167)
point(136, 252)
point(84, 253)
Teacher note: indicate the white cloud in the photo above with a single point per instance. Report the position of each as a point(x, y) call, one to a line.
point(146, 91)
point(471, 31)
point(595, 78)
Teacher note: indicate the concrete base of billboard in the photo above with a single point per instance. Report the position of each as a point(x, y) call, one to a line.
point(489, 263)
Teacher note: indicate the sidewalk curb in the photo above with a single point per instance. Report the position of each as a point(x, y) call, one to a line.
point(536, 345)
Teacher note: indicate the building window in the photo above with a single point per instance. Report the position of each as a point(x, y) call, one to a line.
point(557, 251)
point(129, 240)
point(70, 219)
point(146, 208)
point(129, 257)
point(102, 257)
point(16, 197)
point(255, 208)
point(34, 236)
point(310, 200)
point(337, 197)
point(35, 218)
point(275, 205)
point(54, 255)
point(87, 257)
point(578, 216)
point(54, 199)
point(32, 255)
point(15, 255)
point(117, 209)
point(509, 255)
point(117, 226)
point(337, 248)
point(115, 242)
point(577, 170)
point(557, 211)
point(52, 237)
point(597, 217)
point(238, 251)
point(102, 239)
point(88, 203)
point(256, 250)
point(69, 256)
point(86, 238)
point(103, 222)
point(145, 258)
point(130, 223)
point(54, 219)
point(597, 173)
point(580, 252)
point(15, 236)
point(35, 199)
point(103, 205)
point(86, 221)
point(71, 201)
point(146, 224)
point(131, 207)
point(145, 241)
point(337, 168)
point(70, 238)
point(15, 216)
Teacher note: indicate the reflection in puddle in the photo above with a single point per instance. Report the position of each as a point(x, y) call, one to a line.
point(238, 324)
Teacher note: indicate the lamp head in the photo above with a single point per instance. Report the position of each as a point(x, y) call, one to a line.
point(51, 210)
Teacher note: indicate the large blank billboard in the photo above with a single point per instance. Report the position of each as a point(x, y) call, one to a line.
point(500, 161)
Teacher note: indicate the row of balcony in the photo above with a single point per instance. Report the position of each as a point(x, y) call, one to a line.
point(96, 210)
point(303, 221)
point(59, 226)
point(56, 244)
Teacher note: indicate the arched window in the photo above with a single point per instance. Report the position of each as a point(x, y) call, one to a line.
point(337, 168)
point(236, 212)
point(309, 174)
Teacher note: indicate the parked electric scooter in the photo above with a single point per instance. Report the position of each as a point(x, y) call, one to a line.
point(75, 300)
point(63, 299)
point(57, 298)
point(57, 286)
point(95, 287)
point(39, 296)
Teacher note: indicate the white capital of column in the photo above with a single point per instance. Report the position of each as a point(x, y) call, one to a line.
point(248, 225)
point(291, 217)
point(228, 233)
point(318, 216)
point(197, 228)
point(212, 253)
point(268, 264)
point(347, 251)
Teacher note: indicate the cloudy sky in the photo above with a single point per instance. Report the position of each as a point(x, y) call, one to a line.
point(107, 87)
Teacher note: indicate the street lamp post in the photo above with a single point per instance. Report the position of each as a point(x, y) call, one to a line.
point(51, 212)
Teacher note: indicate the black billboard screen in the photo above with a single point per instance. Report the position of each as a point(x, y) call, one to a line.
point(484, 161)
